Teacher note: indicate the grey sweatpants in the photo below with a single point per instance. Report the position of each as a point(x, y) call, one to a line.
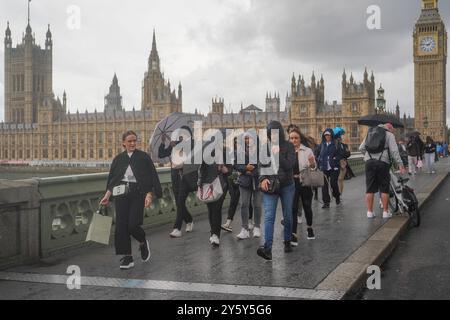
point(256, 197)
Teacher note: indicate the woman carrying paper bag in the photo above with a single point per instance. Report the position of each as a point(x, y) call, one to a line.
point(132, 181)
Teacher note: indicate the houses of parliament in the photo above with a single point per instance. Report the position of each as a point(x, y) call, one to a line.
point(39, 128)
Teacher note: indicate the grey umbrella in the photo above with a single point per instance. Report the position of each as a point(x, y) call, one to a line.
point(165, 128)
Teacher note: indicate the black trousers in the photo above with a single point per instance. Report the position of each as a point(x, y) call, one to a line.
point(176, 179)
point(306, 195)
point(235, 195)
point(183, 213)
point(215, 213)
point(129, 219)
point(333, 176)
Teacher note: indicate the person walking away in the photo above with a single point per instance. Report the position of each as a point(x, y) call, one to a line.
point(412, 147)
point(134, 171)
point(329, 157)
point(403, 153)
point(343, 164)
point(304, 159)
point(249, 189)
point(430, 155)
point(286, 154)
point(378, 149)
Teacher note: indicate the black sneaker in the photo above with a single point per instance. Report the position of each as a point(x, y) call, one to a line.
point(265, 253)
point(127, 262)
point(287, 246)
point(311, 235)
point(338, 201)
point(294, 240)
point(326, 206)
point(145, 251)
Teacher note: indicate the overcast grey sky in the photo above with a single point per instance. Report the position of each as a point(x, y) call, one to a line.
point(235, 49)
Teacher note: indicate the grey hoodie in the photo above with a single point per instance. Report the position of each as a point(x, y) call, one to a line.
point(391, 153)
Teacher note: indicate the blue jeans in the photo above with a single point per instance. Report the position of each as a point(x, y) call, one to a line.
point(270, 210)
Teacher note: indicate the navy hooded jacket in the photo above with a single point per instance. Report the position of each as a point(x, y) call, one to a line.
point(331, 154)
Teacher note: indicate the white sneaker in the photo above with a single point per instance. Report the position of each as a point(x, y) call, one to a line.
point(227, 226)
point(214, 240)
point(387, 215)
point(370, 215)
point(256, 232)
point(190, 227)
point(250, 224)
point(299, 220)
point(175, 233)
point(245, 234)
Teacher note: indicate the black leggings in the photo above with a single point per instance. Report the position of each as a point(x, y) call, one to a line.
point(306, 194)
point(215, 213)
point(332, 176)
point(129, 219)
point(183, 213)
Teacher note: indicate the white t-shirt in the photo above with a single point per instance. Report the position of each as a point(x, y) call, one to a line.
point(129, 174)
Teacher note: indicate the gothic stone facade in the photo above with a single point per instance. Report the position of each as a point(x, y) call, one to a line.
point(38, 127)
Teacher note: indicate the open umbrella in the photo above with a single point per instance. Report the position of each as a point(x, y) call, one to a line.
point(373, 120)
point(164, 130)
point(412, 133)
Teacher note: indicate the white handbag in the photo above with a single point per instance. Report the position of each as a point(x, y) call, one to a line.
point(121, 190)
point(210, 192)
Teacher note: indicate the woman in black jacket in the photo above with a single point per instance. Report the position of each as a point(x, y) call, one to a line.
point(207, 173)
point(134, 170)
point(285, 176)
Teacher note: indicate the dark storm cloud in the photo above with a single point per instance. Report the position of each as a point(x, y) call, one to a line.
point(236, 49)
point(329, 32)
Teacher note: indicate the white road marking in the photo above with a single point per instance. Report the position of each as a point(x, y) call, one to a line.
point(280, 292)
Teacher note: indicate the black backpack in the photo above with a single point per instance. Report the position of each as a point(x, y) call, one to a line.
point(376, 140)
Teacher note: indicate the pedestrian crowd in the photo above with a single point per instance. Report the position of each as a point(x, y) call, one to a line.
point(303, 168)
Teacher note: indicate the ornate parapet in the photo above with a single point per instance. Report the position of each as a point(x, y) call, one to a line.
point(357, 164)
point(67, 205)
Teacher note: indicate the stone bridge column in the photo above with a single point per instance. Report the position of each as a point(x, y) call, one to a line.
point(19, 222)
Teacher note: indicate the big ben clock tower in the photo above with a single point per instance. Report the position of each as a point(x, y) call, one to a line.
point(430, 60)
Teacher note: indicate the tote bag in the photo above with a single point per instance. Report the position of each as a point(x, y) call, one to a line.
point(210, 192)
point(312, 178)
point(100, 228)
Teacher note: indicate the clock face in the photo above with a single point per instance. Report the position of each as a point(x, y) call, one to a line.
point(427, 44)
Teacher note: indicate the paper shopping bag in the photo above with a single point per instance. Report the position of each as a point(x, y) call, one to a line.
point(100, 228)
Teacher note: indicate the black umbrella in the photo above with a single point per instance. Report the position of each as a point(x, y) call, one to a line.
point(373, 120)
point(413, 133)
